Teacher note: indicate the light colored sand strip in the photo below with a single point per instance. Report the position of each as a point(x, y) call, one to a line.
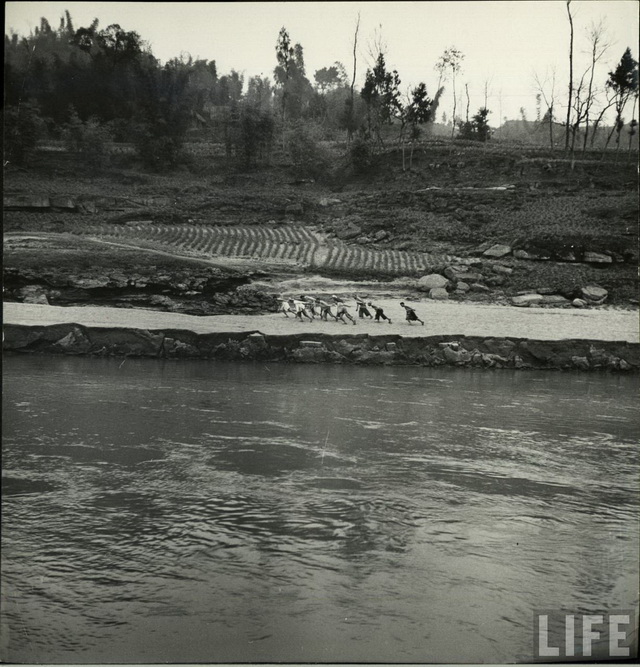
point(440, 319)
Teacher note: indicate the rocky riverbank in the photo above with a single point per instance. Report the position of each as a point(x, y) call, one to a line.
point(316, 347)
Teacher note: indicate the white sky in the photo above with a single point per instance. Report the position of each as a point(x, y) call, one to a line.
point(504, 42)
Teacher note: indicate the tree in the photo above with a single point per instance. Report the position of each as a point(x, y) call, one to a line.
point(567, 126)
point(449, 66)
point(381, 93)
point(350, 102)
point(599, 46)
point(547, 91)
point(418, 112)
point(623, 81)
point(329, 78)
point(294, 87)
point(478, 128)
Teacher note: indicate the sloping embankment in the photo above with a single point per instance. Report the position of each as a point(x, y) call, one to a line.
point(393, 349)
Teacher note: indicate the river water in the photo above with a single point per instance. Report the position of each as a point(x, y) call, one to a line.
point(205, 511)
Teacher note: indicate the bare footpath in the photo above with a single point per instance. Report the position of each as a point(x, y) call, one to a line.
point(480, 336)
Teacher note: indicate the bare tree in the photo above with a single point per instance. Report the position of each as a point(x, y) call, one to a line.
point(450, 65)
point(547, 90)
point(351, 101)
point(611, 100)
point(599, 46)
point(466, 89)
point(569, 103)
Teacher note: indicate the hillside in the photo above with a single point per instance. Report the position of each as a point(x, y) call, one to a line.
point(209, 239)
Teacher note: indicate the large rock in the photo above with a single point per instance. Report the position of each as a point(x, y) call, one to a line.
point(525, 300)
point(432, 281)
point(439, 293)
point(554, 300)
point(497, 250)
point(597, 257)
point(349, 231)
point(380, 235)
point(33, 294)
point(579, 303)
point(503, 270)
point(594, 294)
point(75, 342)
point(457, 272)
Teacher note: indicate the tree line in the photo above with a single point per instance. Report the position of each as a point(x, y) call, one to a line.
point(91, 86)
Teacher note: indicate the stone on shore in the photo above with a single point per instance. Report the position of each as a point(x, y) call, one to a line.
point(497, 250)
point(439, 293)
point(432, 281)
point(579, 303)
point(594, 294)
point(525, 300)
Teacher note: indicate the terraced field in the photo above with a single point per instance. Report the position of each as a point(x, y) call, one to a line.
point(282, 245)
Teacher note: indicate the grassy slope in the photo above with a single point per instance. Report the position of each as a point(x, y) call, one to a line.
point(594, 205)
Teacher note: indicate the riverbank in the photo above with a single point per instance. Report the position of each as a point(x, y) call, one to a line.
point(454, 334)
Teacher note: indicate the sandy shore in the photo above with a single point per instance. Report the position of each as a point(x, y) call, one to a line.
point(440, 319)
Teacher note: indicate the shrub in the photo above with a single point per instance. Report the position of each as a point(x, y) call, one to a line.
point(90, 139)
point(158, 150)
point(23, 127)
point(361, 156)
point(310, 158)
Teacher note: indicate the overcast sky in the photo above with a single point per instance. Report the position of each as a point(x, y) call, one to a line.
point(504, 42)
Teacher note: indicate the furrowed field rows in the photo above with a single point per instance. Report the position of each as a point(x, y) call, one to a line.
point(291, 245)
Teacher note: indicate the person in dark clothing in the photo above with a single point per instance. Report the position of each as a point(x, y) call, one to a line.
point(362, 309)
point(411, 314)
point(379, 313)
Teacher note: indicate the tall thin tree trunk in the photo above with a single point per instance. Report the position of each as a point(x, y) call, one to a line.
point(568, 128)
point(466, 88)
point(453, 120)
point(353, 82)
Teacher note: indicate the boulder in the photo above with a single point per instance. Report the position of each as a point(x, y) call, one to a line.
point(462, 287)
point(525, 300)
point(33, 294)
point(554, 300)
point(349, 231)
point(497, 250)
point(380, 235)
point(596, 257)
point(311, 343)
point(579, 303)
point(496, 281)
point(458, 272)
point(594, 294)
point(581, 362)
point(75, 342)
point(530, 254)
point(503, 270)
point(477, 287)
point(439, 293)
point(432, 281)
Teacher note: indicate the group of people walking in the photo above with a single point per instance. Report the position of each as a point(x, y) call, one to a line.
point(309, 307)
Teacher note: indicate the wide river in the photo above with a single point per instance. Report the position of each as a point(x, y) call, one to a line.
point(203, 511)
